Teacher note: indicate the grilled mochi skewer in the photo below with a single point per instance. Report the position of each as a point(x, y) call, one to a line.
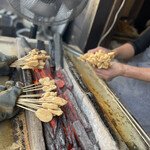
point(55, 100)
point(37, 59)
point(49, 100)
point(44, 115)
point(34, 60)
point(47, 94)
point(46, 81)
point(53, 108)
point(47, 85)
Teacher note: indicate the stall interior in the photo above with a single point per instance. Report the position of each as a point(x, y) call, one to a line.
point(132, 21)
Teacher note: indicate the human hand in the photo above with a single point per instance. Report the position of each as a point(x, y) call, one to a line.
point(8, 99)
point(117, 69)
point(99, 48)
point(5, 61)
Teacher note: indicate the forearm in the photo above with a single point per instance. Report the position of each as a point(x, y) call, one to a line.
point(124, 52)
point(136, 73)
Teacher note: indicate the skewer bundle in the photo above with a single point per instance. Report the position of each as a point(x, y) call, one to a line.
point(34, 60)
point(45, 105)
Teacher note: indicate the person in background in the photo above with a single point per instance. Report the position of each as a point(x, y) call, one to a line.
point(131, 81)
point(8, 93)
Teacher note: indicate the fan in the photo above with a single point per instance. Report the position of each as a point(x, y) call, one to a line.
point(48, 12)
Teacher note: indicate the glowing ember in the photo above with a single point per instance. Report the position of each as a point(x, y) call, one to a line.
point(61, 128)
point(60, 83)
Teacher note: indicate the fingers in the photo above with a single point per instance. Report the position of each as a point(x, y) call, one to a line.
point(105, 50)
point(99, 73)
point(94, 50)
point(103, 73)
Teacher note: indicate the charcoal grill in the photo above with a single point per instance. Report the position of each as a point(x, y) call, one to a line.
point(94, 117)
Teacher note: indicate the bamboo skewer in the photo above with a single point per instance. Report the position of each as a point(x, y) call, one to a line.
point(34, 87)
point(26, 101)
point(30, 85)
point(30, 101)
point(33, 99)
point(24, 57)
point(32, 90)
point(25, 107)
point(31, 95)
point(35, 106)
point(18, 63)
point(16, 66)
point(21, 62)
point(34, 60)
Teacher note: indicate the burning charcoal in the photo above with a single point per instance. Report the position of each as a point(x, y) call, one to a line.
point(82, 136)
point(67, 130)
point(55, 129)
point(57, 144)
point(67, 110)
point(72, 68)
point(61, 73)
point(59, 141)
point(60, 133)
point(49, 129)
point(75, 146)
point(60, 84)
point(75, 108)
point(48, 139)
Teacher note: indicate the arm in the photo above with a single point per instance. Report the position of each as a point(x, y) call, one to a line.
point(119, 69)
point(125, 51)
point(133, 48)
point(129, 50)
point(137, 73)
